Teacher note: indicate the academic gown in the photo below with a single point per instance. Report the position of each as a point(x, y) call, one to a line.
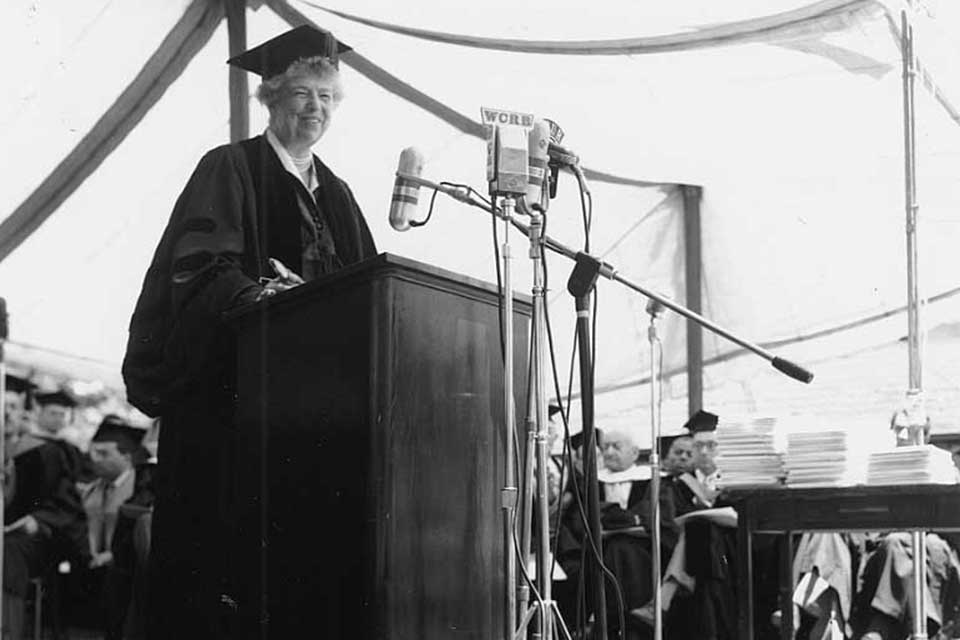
point(239, 208)
point(45, 471)
point(626, 556)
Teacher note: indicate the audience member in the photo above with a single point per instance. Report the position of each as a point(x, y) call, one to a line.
point(702, 427)
point(44, 520)
point(112, 451)
point(17, 404)
point(883, 606)
point(623, 485)
point(54, 413)
point(701, 553)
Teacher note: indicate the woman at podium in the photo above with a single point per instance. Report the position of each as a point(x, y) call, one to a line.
point(256, 217)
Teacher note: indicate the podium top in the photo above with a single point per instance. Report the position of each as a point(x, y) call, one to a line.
point(383, 265)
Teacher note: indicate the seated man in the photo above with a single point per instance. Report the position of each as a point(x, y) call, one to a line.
point(44, 521)
point(623, 484)
point(112, 452)
point(700, 553)
point(883, 605)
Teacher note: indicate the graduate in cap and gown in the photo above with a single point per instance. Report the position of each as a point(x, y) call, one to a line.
point(44, 521)
point(702, 426)
point(114, 451)
point(261, 198)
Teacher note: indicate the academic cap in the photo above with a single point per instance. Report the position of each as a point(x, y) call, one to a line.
point(701, 421)
point(18, 384)
point(275, 56)
point(59, 396)
point(665, 442)
point(576, 440)
point(113, 428)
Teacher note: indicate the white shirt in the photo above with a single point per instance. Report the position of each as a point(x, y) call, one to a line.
point(617, 484)
point(311, 183)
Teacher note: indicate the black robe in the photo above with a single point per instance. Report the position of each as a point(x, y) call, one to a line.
point(239, 208)
point(45, 472)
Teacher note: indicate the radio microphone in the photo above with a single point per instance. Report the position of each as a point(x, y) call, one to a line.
point(406, 193)
point(507, 160)
point(538, 141)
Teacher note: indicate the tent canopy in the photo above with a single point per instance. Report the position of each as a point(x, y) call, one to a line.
point(788, 113)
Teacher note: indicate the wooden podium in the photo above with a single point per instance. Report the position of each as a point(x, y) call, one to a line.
point(371, 450)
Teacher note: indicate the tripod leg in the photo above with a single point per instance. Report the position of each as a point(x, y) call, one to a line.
point(560, 631)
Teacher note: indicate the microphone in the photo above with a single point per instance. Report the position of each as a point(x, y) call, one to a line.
point(507, 152)
point(562, 156)
point(559, 154)
point(406, 192)
point(538, 141)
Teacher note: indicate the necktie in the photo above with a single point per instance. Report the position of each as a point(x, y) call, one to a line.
point(104, 541)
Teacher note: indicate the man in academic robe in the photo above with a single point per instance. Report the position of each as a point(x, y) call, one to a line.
point(266, 197)
point(626, 548)
point(44, 521)
point(112, 451)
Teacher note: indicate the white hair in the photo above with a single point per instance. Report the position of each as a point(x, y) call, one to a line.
point(270, 90)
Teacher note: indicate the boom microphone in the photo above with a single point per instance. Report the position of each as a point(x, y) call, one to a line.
point(406, 193)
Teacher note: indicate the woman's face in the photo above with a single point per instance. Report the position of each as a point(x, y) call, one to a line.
point(303, 113)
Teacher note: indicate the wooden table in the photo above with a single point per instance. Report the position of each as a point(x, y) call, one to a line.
point(783, 510)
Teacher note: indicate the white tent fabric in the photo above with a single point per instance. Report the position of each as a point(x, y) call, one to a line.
point(797, 143)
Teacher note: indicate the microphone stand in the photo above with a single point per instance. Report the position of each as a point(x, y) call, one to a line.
point(654, 309)
point(582, 281)
point(601, 268)
point(549, 623)
point(509, 493)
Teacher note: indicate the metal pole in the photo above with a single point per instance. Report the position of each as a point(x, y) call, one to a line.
point(654, 309)
point(693, 261)
point(549, 623)
point(4, 334)
point(916, 413)
point(236, 11)
point(509, 493)
point(539, 390)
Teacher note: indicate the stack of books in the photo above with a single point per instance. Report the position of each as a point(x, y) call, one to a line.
point(823, 458)
point(746, 454)
point(923, 464)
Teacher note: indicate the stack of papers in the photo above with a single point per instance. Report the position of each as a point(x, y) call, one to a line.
point(923, 464)
point(746, 455)
point(821, 459)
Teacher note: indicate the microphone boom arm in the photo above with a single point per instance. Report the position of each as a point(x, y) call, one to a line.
point(609, 272)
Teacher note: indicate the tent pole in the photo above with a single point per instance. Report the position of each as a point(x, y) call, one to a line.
point(236, 11)
point(693, 260)
point(916, 412)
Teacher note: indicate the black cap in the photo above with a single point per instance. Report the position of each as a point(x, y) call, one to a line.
point(113, 428)
point(552, 409)
point(18, 384)
point(59, 396)
point(665, 442)
point(702, 421)
point(275, 56)
point(576, 440)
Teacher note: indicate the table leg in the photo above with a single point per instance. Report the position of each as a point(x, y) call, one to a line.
point(919, 543)
point(745, 576)
point(786, 585)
